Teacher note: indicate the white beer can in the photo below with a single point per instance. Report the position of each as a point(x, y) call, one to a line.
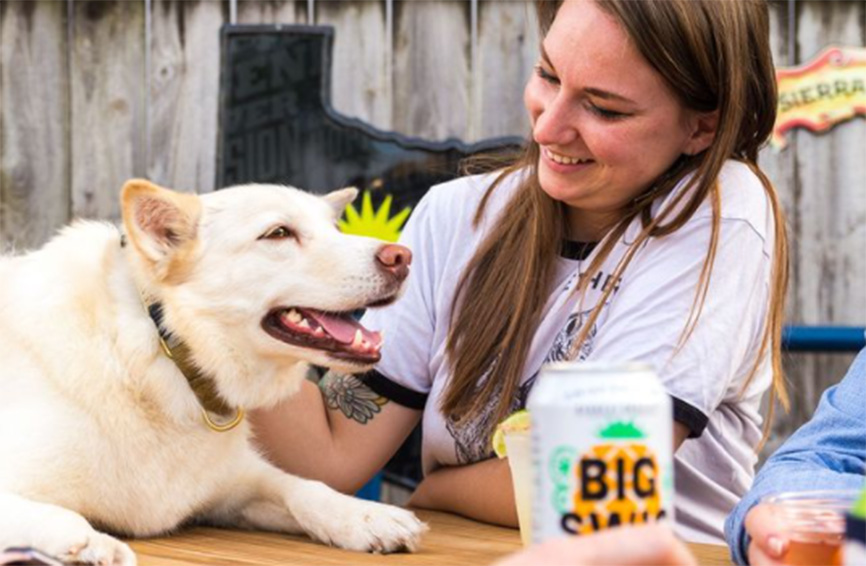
point(602, 448)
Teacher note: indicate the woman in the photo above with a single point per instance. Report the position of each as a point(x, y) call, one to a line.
point(637, 226)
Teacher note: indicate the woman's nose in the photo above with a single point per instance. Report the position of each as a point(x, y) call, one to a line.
point(555, 123)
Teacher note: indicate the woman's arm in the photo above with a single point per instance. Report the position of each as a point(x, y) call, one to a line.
point(828, 452)
point(482, 491)
point(339, 431)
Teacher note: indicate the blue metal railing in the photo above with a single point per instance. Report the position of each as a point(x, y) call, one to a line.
point(823, 338)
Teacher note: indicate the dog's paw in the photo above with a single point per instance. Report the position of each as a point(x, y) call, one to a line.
point(70, 537)
point(101, 550)
point(369, 527)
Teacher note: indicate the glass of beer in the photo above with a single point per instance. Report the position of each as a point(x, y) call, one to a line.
point(814, 522)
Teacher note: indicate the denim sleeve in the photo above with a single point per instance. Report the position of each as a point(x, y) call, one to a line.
point(828, 452)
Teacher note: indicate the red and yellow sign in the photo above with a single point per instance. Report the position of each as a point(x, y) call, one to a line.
point(822, 93)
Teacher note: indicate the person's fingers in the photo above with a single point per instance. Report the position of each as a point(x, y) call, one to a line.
point(622, 546)
point(664, 547)
point(767, 531)
point(758, 557)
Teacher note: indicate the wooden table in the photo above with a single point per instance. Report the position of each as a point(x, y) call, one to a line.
point(451, 540)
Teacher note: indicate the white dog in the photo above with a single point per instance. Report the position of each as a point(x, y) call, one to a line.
point(116, 420)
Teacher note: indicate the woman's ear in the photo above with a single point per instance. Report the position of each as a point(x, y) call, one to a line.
point(703, 132)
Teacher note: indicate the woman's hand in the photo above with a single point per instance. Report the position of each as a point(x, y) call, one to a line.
point(480, 491)
point(623, 546)
point(769, 542)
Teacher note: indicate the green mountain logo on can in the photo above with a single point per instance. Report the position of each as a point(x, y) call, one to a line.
point(621, 431)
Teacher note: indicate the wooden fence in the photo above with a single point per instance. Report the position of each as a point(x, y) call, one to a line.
point(95, 92)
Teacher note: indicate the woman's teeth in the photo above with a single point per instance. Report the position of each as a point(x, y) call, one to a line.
point(564, 159)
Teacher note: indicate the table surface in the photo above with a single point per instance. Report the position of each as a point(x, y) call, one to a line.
point(450, 540)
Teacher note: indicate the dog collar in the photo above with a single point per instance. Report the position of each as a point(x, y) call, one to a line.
point(202, 385)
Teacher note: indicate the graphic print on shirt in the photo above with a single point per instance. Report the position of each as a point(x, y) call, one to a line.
point(470, 445)
point(563, 341)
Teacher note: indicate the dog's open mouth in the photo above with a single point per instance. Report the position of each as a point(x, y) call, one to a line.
point(338, 334)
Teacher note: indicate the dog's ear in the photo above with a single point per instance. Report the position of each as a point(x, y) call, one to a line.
point(159, 222)
point(339, 199)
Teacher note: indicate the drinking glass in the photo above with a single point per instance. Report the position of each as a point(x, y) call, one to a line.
point(519, 459)
point(814, 522)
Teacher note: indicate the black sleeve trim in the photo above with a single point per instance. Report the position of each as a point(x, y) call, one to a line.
point(693, 418)
point(383, 385)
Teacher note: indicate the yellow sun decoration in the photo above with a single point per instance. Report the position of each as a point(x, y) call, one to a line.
point(374, 223)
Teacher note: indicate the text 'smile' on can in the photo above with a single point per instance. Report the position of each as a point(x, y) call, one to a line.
point(602, 448)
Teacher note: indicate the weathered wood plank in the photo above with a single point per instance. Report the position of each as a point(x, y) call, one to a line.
point(780, 165)
point(34, 151)
point(431, 68)
point(184, 93)
point(360, 84)
point(830, 208)
point(108, 103)
point(272, 12)
point(508, 50)
point(780, 168)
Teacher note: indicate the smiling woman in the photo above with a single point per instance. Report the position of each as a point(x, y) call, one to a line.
point(637, 226)
point(604, 136)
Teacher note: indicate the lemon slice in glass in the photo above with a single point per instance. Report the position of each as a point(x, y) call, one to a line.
point(516, 422)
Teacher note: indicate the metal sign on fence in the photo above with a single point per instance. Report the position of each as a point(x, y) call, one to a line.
point(277, 125)
point(821, 93)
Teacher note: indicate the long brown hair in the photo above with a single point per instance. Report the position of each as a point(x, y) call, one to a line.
point(714, 55)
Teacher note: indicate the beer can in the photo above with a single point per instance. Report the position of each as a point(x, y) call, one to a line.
point(602, 448)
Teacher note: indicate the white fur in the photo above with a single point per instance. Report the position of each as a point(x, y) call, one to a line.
point(101, 431)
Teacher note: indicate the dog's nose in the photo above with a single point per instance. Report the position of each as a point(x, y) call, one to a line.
point(395, 259)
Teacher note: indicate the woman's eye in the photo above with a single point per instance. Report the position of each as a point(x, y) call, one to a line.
point(278, 233)
point(605, 113)
point(545, 75)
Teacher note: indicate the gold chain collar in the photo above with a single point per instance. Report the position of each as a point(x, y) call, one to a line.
point(202, 386)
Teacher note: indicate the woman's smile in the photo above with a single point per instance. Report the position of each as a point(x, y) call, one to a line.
point(562, 163)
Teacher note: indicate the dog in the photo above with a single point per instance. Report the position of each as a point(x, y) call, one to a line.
point(128, 356)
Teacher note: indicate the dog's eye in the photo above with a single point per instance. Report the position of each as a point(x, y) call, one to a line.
point(278, 233)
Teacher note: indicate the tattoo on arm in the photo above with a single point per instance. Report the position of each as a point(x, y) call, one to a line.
point(351, 396)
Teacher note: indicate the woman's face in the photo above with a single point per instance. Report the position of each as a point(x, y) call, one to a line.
point(606, 122)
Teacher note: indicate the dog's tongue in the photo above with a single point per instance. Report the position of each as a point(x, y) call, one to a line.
point(343, 328)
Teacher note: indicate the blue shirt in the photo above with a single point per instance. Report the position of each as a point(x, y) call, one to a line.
point(828, 452)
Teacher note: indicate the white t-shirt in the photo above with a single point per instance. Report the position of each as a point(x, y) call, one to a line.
point(642, 322)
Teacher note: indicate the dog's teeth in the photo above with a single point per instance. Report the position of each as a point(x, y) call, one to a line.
point(303, 323)
point(318, 331)
point(294, 316)
point(359, 339)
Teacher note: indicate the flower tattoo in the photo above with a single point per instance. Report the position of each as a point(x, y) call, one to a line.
point(351, 396)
